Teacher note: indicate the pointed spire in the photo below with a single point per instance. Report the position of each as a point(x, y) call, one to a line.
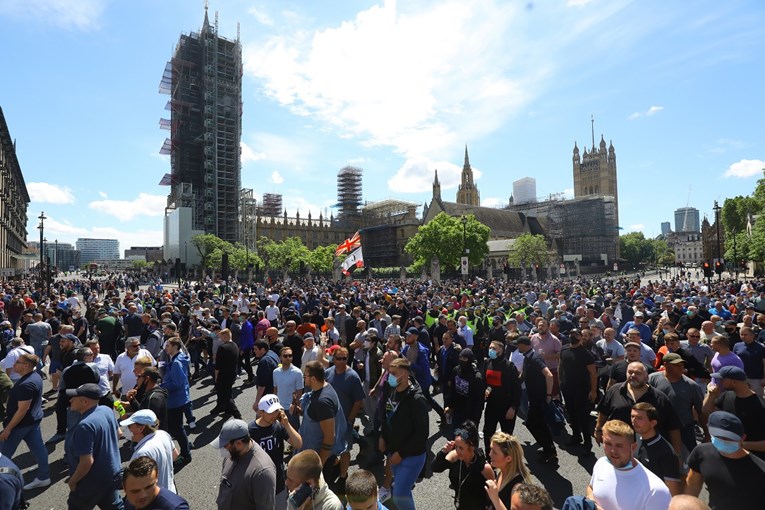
point(206, 23)
point(435, 181)
point(576, 149)
point(467, 159)
point(592, 120)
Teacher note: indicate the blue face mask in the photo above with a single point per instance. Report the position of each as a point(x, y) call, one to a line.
point(723, 446)
point(666, 331)
point(392, 381)
point(492, 354)
point(331, 358)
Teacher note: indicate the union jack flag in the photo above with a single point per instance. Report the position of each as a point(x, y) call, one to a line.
point(349, 245)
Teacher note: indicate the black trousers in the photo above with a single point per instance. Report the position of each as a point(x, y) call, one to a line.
point(225, 392)
point(578, 408)
point(176, 430)
point(535, 422)
point(493, 416)
point(245, 361)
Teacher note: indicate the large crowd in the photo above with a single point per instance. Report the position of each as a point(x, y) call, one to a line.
point(665, 376)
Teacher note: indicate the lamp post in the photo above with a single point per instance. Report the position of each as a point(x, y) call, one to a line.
point(186, 257)
point(465, 251)
point(717, 224)
point(41, 226)
point(55, 255)
point(735, 254)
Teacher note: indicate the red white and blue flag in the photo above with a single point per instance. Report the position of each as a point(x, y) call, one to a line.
point(349, 245)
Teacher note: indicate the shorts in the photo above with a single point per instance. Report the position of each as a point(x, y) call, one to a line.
point(55, 366)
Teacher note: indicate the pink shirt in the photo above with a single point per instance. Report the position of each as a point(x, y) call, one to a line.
point(548, 343)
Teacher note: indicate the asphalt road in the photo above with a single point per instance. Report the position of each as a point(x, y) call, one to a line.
point(198, 481)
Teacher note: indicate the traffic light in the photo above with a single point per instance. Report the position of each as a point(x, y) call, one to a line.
point(718, 267)
point(707, 270)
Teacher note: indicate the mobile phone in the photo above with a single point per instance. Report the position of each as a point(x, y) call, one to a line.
point(298, 497)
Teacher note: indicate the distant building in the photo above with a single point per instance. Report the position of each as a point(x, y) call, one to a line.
point(666, 228)
point(467, 193)
point(687, 220)
point(98, 249)
point(64, 256)
point(15, 201)
point(688, 247)
point(595, 171)
point(147, 253)
point(524, 190)
point(713, 248)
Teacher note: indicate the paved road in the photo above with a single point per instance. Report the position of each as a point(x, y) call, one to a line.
point(198, 481)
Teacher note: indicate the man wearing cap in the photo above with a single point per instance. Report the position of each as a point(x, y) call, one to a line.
point(685, 394)
point(248, 479)
point(270, 430)
point(734, 478)
point(730, 392)
point(92, 452)
point(539, 388)
point(154, 443)
point(642, 328)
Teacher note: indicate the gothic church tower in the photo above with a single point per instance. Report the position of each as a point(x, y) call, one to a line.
point(595, 171)
point(468, 194)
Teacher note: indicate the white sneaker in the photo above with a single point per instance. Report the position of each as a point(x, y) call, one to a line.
point(36, 484)
point(192, 425)
point(383, 494)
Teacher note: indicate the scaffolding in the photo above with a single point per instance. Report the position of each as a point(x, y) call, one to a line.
point(203, 79)
point(271, 205)
point(388, 211)
point(247, 219)
point(585, 229)
point(349, 195)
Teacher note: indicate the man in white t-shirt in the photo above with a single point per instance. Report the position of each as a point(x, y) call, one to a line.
point(288, 385)
point(619, 481)
point(125, 363)
point(154, 443)
point(17, 349)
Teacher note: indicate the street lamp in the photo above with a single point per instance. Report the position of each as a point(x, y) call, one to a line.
point(55, 255)
point(464, 236)
point(717, 224)
point(41, 226)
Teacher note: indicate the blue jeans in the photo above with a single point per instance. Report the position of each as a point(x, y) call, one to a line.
point(405, 474)
point(33, 438)
point(88, 498)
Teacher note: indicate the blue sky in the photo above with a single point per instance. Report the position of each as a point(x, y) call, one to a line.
point(397, 88)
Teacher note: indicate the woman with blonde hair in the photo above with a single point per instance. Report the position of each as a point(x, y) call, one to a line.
point(507, 459)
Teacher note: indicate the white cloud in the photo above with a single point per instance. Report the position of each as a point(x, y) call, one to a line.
point(653, 110)
point(103, 194)
point(578, 3)
point(276, 177)
point(416, 175)
point(635, 228)
point(76, 14)
point(64, 231)
point(49, 193)
point(290, 152)
point(745, 168)
point(248, 155)
point(261, 17)
point(53, 227)
point(398, 78)
point(294, 202)
point(568, 193)
point(125, 210)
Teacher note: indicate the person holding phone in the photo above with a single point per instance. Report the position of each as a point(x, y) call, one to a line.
point(308, 490)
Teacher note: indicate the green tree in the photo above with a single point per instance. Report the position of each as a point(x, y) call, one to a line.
point(211, 248)
point(442, 238)
point(138, 264)
point(288, 254)
point(528, 249)
point(320, 258)
point(636, 249)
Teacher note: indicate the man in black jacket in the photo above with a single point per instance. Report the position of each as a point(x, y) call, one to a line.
point(150, 395)
point(503, 392)
point(404, 431)
point(226, 366)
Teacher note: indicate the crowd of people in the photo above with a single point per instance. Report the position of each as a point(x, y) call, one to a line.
point(666, 376)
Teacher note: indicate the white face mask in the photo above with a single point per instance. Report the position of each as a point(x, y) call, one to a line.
point(224, 453)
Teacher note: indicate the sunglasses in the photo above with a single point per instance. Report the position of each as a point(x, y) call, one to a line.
point(286, 355)
point(341, 359)
point(694, 336)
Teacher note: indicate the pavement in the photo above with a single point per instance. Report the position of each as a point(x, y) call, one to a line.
point(198, 481)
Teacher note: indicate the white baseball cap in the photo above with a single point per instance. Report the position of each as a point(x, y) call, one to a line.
point(269, 403)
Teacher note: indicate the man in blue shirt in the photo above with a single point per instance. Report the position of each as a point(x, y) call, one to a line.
point(142, 492)
point(638, 324)
point(752, 354)
point(11, 484)
point(92, 452)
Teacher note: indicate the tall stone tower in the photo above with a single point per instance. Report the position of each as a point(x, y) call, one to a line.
point(595, 171)
point(468, 194)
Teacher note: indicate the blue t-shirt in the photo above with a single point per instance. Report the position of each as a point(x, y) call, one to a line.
point(165, 500)
point(751, 355)
point(11, 484)
point(347, 386)
point(29, 387)
point(95, 434)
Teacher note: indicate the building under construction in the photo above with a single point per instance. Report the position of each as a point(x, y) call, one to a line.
point(204, 81)
point(247, 219)
point(271, 205)
point(14, 201)
point(387, 227)
point(349, 199)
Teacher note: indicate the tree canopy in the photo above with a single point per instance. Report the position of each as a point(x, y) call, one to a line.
point(442, 239)
point(527, 250)
point(636, 249)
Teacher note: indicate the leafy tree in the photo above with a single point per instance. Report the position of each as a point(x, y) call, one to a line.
point(527, 250)
point(320, 259)
point(210, 248)
point(138, 264)
point(288, 254)
point(442, 238)
point(635, 248)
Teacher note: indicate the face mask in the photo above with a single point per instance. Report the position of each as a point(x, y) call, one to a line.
point(723, 446)
point(223, 453)
point(127, 433)
point(369, 344)
point(331, 358)
point(392, 381)
point(492, 354)
point(666, 331)
point(691, 314)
